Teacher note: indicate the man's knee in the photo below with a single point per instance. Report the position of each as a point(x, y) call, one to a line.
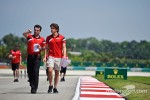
point(50, 69)
point(56, 73)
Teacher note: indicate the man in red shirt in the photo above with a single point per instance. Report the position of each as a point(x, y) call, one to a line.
point(56, 49)
point(15, 56)
point(35, 44)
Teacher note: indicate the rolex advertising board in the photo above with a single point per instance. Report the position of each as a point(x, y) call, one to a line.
point(115, 73)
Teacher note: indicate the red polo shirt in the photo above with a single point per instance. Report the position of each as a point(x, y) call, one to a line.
point(33, 43)
point(17, 55)
point(55, 45)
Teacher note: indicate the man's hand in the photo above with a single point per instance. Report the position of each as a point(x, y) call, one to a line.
point(25, 34)
point(44, 60)
point(29, 31)
point(20, 63)
point(10, 56)
point(39, 47)
point(64, 57)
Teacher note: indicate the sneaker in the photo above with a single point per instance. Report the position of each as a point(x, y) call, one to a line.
point(50, 89)
point(16, 80)
point(62, 79)
point(33, 91)
point(55, 90)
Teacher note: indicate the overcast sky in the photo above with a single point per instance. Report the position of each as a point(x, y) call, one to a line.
point(115, 20)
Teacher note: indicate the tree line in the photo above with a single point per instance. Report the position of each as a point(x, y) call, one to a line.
point(107, 51)
point(92, 49)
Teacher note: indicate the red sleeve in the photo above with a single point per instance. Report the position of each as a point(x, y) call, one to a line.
point(63, 40)
point(29, 36)
point(11, 51)
point(44, 42)
point(47, 40)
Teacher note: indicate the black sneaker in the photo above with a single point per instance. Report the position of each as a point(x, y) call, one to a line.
point(55, 90)
point(33, 91)
point(16, 80)
point(50, 89)
point(62, 79)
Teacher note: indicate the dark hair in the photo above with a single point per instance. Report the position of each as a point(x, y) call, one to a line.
point(55, 26)
point(38, 26)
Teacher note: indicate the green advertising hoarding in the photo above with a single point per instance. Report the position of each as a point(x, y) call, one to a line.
point(115, 73)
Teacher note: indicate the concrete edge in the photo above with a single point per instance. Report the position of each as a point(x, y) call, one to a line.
point(77, 92)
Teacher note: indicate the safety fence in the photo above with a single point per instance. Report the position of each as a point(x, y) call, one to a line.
point(100, 64)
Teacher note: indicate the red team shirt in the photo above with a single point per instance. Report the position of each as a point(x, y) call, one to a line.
point(33, 42)
point(17, 55)
point(55, 45)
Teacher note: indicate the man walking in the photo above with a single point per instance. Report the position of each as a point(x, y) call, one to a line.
point(64, 63)
point(15, 56)
point(56, 49)
point(35, 44)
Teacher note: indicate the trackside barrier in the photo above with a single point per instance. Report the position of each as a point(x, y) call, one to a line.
point(101, 64)
point(103, 68)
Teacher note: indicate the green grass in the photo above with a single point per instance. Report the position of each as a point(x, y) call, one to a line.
point(142, 86)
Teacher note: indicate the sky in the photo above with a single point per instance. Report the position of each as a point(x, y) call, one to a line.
point(115, 20)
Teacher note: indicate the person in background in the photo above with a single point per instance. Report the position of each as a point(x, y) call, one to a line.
point(15, 56)
point(65, 62)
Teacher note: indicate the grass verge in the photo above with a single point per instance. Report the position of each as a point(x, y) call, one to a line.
point(134, 88)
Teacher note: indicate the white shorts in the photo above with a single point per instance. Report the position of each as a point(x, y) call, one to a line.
point(54, 63)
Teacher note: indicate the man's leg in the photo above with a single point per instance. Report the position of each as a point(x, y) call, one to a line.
point(14, 74)
point(50, 78)
point(64, 73)
point(35, 73)
point(30, 71)
point(47, 73)
point(56, 79)
point(61, 73)
point(57, 68)
point(17, 73)
point(50, 75)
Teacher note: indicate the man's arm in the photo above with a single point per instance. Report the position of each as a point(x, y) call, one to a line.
point(43, 47)
point(20, 60)
point(64, 50)
point(45, 53)
point(10, 56)
point(25, 34)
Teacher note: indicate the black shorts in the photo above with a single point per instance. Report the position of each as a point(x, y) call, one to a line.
point(63, 70)
point(15, 66)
